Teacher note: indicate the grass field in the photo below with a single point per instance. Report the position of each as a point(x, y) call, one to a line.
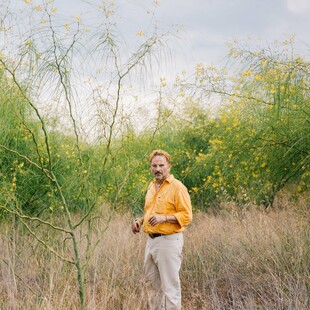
point(252, 259)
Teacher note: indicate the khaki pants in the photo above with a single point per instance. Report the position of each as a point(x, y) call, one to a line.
point(162, 263)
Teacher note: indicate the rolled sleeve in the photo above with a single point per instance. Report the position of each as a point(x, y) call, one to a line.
point(183, 204)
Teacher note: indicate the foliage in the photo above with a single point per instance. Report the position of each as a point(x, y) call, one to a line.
point(237, 135)
point(246, 151)
point(254, 144)
point(49, 169)
point(258, 141)
point(255, 260)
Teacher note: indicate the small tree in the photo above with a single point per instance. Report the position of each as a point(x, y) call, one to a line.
point(44, 69)
point(256, 125)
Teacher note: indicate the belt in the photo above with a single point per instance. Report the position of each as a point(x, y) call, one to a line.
point(156, 235)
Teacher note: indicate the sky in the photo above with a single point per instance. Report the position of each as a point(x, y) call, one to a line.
point(208, 25)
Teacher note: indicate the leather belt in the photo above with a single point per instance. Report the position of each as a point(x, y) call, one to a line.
point(156, 235)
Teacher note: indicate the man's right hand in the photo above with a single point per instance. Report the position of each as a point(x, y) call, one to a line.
point(136, 226)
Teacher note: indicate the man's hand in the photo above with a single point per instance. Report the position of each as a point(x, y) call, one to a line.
point(157, 219)
point(136, 226)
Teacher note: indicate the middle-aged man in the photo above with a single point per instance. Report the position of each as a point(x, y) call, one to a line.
point(167, 211)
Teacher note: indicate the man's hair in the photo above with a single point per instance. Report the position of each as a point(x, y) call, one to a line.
point(159, 153)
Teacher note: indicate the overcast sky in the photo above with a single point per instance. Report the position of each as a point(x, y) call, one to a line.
point(207, 24)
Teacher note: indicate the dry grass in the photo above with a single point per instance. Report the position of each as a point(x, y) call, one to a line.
point(256, 260)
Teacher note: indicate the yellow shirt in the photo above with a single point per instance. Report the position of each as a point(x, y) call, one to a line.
point(172, 198)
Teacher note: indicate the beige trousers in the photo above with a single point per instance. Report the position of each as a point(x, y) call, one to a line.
point(162, 263)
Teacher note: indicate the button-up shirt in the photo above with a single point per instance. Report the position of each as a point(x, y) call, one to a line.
point(172, 198)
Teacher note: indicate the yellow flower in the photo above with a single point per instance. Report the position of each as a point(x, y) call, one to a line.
point(200, 68)
point(163, 82)
point(140, 33)
point(264, 63)
point(248, 73)
point(223, 119)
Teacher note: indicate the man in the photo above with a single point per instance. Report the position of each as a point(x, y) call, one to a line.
point(167, 211)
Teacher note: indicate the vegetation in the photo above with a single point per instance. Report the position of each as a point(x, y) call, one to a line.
point(253, 145)
point(259, 260)
point(71, 172)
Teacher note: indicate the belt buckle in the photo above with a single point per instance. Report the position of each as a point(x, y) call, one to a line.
point(153, 236)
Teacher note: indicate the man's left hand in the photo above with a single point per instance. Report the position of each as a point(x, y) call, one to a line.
point(157, 219)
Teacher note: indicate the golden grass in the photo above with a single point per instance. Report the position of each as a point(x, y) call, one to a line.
point(256, 260)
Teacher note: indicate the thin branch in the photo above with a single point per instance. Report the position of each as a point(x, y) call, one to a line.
point(85, 216)
point(23, 216)
point(12, 73)
point(47, 246)
point(62, 82)
point(46, 171)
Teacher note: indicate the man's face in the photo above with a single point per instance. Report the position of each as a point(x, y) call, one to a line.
point(160, 168)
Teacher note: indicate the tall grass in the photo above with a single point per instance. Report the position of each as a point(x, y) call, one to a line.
point(257, 261)
point(253, 260)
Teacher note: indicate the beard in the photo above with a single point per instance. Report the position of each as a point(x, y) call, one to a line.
point(160, 176)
